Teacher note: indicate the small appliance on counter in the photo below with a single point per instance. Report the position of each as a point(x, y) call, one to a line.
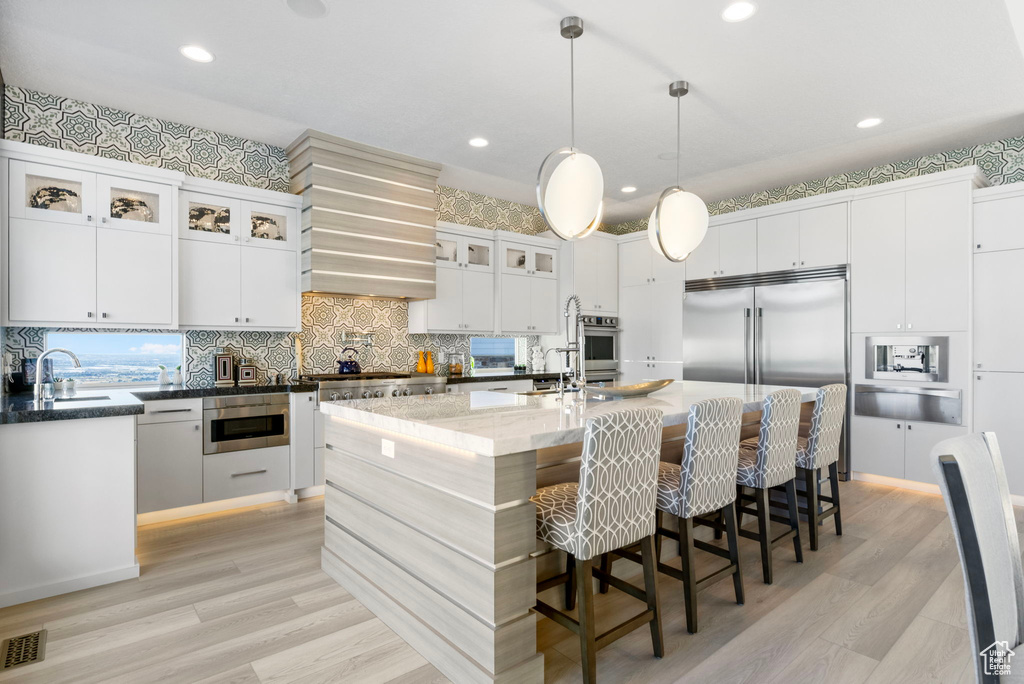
point(349, 365)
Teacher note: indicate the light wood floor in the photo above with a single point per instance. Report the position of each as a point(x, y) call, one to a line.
point(239, 597)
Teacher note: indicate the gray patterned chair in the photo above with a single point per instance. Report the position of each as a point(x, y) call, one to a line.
point(766, 462)
point(704, 483)
point(612, 506)
point(821, 450)
point(973, 483)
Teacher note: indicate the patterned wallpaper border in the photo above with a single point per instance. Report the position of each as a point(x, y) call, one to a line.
point(76, 126)
point(1001, 160)
point(482, 211)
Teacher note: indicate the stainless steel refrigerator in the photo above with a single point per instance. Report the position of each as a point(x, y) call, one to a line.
point(772, 329)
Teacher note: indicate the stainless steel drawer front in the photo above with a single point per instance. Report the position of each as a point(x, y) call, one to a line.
point(919, 404)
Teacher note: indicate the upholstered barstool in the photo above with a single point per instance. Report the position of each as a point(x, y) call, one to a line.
point(821, 450)
point(770, 461)
point(703, 483)
point(611, 507)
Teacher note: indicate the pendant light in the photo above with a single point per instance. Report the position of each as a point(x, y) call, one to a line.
point(570, 186)
point(680, 219)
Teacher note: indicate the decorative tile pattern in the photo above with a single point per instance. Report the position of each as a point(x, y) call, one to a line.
point(67, 124)
point(1002, 161)
point(473, 209)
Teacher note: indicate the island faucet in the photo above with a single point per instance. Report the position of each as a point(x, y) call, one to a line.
point(38, 390)
point(576, 346)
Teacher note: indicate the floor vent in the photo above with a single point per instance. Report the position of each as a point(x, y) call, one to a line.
point(22, 650)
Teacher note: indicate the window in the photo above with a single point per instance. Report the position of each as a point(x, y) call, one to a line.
point(115, 358)
point(493, 352)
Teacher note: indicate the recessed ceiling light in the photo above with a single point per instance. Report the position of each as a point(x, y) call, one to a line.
point(478, 142)
point(308, 9)
point(869, 123)
point(739, 11)
point(196, 53)
point(629, 188)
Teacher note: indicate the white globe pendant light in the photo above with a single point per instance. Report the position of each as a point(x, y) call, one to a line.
point(570, 185)
point(679, 221)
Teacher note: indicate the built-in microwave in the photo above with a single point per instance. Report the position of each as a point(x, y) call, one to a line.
point(918, 359)
point(250, 421)
point(601, 343)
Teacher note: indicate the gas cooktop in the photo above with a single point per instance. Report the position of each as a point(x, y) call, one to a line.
point(345, 386)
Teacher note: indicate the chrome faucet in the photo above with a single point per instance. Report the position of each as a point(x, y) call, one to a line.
point(38, 391)
point(575, 347)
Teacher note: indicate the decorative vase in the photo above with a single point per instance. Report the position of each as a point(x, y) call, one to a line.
point(177, 377)
point(421, 365)
point(430, 363)
point(538, 361)
point(164, 378)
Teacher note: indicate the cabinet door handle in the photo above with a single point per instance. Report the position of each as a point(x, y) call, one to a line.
point(979, 246)
point(246, 319)
point(103, 219)
point(897, 426)
point(801, 263)
point(794, 263)
point(186, 410)
point(909, 426)
point(249, 472)
point(88, 314)
point(899, 326)
point(309, 398)
point(104, 314)
point(88, 217)
point(236, 319)
point(236, 238)
point(196, 427)
point(909, 326)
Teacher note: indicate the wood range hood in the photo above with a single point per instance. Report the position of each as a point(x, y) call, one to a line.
point(368, 218)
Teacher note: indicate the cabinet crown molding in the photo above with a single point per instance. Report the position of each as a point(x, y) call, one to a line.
point(11, 149)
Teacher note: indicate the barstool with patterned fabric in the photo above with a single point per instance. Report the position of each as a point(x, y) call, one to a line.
point(821, 450)
point(611, 507)
point(770, 461)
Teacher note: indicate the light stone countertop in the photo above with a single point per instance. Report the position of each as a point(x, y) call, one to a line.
point(498, 423)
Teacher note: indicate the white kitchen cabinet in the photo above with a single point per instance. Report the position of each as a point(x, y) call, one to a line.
point(464, 252)
point(999, 224)
point(633, 372)
point(635, 324)
point(137, 205)
point(728, 249)
point(778, 242)
point(910, 260)
point(134, 278)
point(635, 263)
point(543, 306)
point(878, 263)
point(665, 271)
point(997, 328)
point(595, 274)
point(210, 218)
point(919, 440)
point(651, 321)
point(464, 287)
point(268, 225)
point(897, 448)
point(808, 238)
point(51, 272)
point(269, 288)
point(528, 259)
point(210, 279)
point(51, 193)
point(823, 236)
point(528, 305)
point(478, 301)
point(302, 428)
point(938, 257)
point(241, 473)
point(169, 465)
point(508, 386)
point(996, 409)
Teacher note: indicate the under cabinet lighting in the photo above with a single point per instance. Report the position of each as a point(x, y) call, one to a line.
point(196, 53)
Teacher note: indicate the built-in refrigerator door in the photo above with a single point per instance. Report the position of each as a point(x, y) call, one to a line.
point(800, 333)
point(717, 335)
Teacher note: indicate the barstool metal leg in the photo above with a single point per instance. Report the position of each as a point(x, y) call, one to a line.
point(651, 590)
point(833, 483)
point(794, 519)
point(689, 566)
point(588, 628)
point(764, 531)
point(729, 512)
point(811, 476)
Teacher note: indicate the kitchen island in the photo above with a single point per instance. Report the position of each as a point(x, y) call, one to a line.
point(428, 517)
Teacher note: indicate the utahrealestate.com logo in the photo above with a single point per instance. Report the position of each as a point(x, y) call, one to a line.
point(995, 659)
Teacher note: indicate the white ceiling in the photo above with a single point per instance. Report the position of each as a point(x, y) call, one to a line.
point(773, 100)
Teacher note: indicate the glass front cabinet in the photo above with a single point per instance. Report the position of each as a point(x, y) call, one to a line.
point(465, 252)
point(523, 259)
point(212, 218)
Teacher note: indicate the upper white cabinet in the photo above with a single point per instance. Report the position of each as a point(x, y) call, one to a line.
point(639, 264)
point(595, 273)
point(808, 238)
point(528, 297)
point(528, 259)
point(651, 319)
point(999, 220)
point(239, 259)
point(910, 260)
point(464, 296)
point(89, 241)
point(728, 249)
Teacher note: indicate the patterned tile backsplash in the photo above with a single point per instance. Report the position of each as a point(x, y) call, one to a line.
point(76, 126)
point(324, 318)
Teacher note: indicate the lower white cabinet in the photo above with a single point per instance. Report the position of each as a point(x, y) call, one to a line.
point(241, 473)
point(302, 426)
point(996, 410)
point(632, 372)
point(998, 327)
point(897, 448)
point(169, 467)
point(463, 301)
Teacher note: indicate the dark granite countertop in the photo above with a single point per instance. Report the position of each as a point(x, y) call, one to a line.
point(112, 401)
point(490, 376)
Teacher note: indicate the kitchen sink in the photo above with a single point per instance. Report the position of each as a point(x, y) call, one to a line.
point(59, 399)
